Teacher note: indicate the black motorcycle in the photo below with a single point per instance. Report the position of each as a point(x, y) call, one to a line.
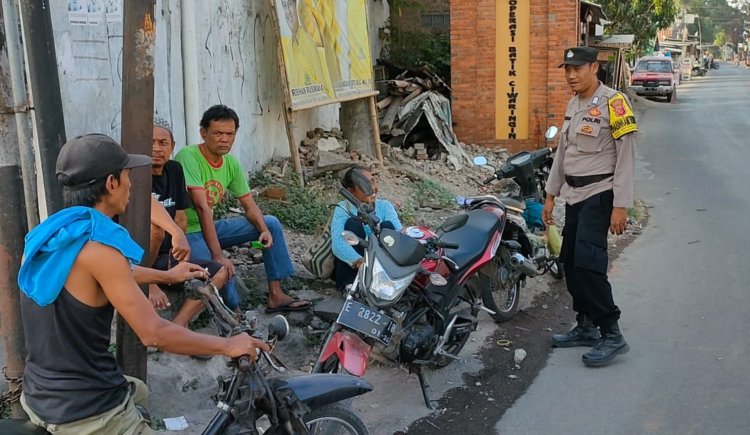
point(307, 404)
point(529, 171)
point(417, 296)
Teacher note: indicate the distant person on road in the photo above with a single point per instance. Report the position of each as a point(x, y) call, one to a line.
point(593, 171)
point(347, 258)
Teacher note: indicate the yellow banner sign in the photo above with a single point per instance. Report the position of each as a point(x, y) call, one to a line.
point(326, 50)
point(512, 69)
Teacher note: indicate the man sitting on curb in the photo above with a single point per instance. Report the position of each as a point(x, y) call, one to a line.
point(169, 192)
point(210, 171)
point(77, 270)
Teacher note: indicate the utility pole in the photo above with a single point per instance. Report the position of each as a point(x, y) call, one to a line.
point(49, 126)
point(12, 231)
point(138, 64)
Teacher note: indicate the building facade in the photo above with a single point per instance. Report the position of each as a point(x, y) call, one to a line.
point(507, 87)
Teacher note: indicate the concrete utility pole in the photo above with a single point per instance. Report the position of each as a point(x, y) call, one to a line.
point(21, 109)
point(12, 231)
point(45, 94)
point(139, 39)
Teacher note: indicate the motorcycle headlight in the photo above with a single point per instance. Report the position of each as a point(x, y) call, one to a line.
point(384, 289)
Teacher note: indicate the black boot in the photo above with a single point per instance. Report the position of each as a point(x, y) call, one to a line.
point(584, 334)
point(611, 344)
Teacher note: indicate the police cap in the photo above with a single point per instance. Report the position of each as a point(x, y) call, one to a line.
point(579, 56)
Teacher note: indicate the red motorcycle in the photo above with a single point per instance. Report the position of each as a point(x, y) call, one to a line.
point(418, 294)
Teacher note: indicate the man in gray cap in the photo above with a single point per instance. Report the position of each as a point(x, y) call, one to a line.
point(77, 269)
point(593, 171)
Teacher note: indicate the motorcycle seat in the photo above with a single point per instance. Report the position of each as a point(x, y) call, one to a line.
point(472, 238)
point(513, 203)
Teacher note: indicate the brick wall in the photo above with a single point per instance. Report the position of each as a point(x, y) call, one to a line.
point(554, 27)
point(411, 17)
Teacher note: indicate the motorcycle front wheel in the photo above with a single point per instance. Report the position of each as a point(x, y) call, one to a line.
point(335, 419)
point(460, 336)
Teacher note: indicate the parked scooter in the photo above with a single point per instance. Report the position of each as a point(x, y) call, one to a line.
point(530, 170)
point(698, 70)
point(416, 297)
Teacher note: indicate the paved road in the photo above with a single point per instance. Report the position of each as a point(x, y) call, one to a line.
point(682, 286)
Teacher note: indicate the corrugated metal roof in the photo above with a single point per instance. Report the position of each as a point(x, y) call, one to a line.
point(617, 41)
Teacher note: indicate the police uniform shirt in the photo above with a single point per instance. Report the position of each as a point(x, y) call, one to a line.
point(598, 137)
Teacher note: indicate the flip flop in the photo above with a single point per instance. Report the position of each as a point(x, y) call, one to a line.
point(287, 307)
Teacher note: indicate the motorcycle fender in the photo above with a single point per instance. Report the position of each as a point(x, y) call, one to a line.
point(352, 352)
point(320, 389)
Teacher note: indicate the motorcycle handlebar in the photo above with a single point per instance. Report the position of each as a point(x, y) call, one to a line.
point(244, 363)
point(489, 179)
point(447, 245)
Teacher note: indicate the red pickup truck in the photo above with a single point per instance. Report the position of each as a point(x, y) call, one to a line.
point(654, 76)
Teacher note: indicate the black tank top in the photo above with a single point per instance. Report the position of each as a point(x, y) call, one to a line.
point(70, 372)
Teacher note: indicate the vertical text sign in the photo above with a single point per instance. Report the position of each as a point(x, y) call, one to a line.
point(512, 70)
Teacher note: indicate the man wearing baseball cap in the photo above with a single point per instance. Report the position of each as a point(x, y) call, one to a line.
point(593, 171)
point(77, 269)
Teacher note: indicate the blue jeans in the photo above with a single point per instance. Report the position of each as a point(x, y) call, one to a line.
point(238, 231)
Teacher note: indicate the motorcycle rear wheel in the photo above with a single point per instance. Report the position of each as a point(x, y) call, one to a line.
point(335, 419)
point(504, 302)
point(556, 269)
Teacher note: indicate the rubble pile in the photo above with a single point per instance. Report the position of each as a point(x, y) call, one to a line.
point(324, 151)
point(415, 115)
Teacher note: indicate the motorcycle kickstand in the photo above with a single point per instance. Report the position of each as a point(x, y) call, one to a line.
point(423, 385)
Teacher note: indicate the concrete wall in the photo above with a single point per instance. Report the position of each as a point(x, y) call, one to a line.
point(237, 66)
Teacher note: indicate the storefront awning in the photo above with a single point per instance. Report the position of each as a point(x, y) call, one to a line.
point(614, 41)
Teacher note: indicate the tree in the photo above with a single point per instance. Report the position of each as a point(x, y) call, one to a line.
point(642, 18)
point(717, 16)
point(720, 39)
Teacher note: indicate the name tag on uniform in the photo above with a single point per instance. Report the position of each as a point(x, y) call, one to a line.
point(588, 130)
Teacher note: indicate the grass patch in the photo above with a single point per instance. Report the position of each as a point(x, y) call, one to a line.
point(638, 211)
point(429, 193)
point(408, 214)
point(255, 298)
point(306, 208)
point(313, 338)
point(306, 284)
point(157, 424)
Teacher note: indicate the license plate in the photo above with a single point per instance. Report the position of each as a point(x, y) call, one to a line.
point(366, 320)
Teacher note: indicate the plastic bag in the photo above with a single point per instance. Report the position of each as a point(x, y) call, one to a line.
point(554, 240)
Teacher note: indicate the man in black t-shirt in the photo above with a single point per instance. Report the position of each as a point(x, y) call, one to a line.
point(168, 189)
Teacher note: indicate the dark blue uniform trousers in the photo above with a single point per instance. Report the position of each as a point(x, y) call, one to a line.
point(585, 259)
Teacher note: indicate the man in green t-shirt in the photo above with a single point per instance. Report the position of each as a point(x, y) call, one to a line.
point(210, 172)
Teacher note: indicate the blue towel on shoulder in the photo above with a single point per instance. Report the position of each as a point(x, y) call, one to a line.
point(53, 246)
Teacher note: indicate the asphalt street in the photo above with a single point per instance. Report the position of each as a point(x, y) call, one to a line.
point(682, 286)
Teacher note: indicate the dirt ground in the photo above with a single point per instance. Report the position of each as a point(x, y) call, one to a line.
point(473, 392)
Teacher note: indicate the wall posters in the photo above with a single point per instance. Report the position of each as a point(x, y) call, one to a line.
point(512, 70)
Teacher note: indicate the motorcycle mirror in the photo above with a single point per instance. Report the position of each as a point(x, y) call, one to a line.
point(362, 183)
point(551, 132)
point(278, 328)
point(438, 280)
point(350, 238)
point(480, 161)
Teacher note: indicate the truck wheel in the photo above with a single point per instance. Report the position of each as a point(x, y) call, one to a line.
point(669, 97)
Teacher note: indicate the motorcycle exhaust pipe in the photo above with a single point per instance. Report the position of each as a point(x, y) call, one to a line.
point(519, 262)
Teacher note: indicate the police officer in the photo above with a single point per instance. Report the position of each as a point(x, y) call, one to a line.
point(593, 172)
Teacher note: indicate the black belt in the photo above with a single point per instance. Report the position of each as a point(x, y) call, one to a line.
point(585, 180)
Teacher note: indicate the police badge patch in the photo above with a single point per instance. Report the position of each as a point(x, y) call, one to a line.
point(621, 117)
